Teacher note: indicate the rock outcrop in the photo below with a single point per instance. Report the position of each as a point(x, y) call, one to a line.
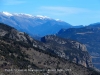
point(88, 35)
point(68, 49)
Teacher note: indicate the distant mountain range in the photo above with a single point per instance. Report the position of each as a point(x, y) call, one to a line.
point(33, 25)
point(89, 35)
point(21, 52)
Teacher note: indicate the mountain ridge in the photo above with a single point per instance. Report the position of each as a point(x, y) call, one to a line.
point(88, 35)
point(33, 25)
point(18, 50)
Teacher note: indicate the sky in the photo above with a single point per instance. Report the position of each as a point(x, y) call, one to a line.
point(74, 12)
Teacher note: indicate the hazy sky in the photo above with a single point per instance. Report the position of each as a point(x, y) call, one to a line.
point(75, 12)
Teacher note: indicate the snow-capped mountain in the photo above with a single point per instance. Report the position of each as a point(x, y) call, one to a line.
point(33, 25)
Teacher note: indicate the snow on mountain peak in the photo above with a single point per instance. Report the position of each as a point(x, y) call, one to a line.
point(59, 20)
point(6, 13)
point(42, 17)
point(26, 15)
point(22, 14)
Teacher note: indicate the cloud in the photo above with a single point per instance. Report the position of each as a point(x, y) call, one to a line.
point(12, 2)
point(62, 10)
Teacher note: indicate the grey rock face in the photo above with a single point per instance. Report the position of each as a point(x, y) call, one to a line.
point(80, 46)
point(2, 32)
point(68, 49)
point(88, 35)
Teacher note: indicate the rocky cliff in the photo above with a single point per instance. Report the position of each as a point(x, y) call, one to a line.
point(89, 35)
point(68, 49)
point(22, 55)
